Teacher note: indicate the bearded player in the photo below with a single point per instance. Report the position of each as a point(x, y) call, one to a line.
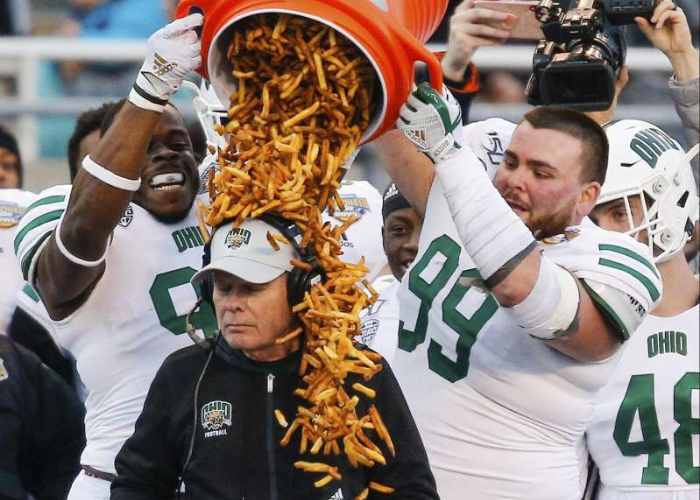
point(644, 432)
point(516, 305)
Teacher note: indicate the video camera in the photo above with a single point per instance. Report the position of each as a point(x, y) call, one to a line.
point(579, 60)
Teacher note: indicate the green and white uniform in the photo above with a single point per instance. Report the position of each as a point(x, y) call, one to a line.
point(645, 432)
point(380, 321)
point(133, 319)
point(364, 237)
point(503, 415)
point(13, 205)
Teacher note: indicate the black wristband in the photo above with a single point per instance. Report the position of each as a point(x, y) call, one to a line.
point(149, 97)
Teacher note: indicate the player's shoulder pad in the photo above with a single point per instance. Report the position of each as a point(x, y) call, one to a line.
point(39, 221)
point(209, 164)
point(489, 139)
point(13, 205)
point(360, 198)
point(617, 271)
point(361, 188)
point(18, 196)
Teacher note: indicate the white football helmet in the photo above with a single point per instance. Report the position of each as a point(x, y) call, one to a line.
point(644, 161)
point(210, 111)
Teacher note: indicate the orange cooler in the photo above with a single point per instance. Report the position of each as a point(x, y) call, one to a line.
point(391, 33)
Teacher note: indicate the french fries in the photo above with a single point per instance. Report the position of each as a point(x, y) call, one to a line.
point(302, 104)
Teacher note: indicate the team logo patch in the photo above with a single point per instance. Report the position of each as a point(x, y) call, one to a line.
point(3, 372)
point(10, 214)
point(237, 238)
point(127, 217)
point(493, 147)
point(354, 206)
point(215, 416)
point(369, 331)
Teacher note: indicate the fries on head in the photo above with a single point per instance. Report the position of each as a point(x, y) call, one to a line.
point(303, 100)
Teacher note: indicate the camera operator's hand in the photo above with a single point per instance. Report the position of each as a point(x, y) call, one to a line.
point(668, 30)
point(172, 52)
point(471, 28)
point(432, 122)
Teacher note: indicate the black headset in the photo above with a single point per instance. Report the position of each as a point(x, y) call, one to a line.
point(300, 280)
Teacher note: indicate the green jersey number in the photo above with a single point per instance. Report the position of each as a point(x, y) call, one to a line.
point(446, 249)
point(203, 319)
point(639, 399)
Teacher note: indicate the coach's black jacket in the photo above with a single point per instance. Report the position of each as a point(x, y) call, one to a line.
point(237, 452)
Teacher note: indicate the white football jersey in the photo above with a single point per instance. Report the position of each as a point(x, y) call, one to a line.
point(364, 237)
point(501, 414)
point(380, 321)
point(13, 205)
point(133, 319)
point(644, 435)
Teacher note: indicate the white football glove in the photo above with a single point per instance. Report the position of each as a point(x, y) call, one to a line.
point(432, 122)
point(172, 52)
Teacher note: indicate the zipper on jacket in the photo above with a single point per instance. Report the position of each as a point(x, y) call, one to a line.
point(271, 436)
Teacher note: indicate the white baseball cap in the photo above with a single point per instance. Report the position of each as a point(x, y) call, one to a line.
point(246, 253)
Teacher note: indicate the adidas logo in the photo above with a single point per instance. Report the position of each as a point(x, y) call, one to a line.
point(161, 66)
point(338, 495)
point(419, 137)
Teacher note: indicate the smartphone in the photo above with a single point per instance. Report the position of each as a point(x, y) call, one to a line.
point(527, 26)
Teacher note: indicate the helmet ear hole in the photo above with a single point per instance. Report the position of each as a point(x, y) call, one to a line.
point(684, 199)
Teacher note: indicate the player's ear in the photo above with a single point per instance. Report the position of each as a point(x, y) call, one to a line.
point(588, 197)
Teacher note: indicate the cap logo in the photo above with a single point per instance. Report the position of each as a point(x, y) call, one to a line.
point(237, 238)
point(392, 191)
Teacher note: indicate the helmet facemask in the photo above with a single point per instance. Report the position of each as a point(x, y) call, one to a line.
point(661, 179)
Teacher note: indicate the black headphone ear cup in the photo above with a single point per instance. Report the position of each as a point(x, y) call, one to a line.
point(295, 287)
point(207, 290)
point(300, 282)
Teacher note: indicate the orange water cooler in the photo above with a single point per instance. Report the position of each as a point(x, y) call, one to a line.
point(391, 33)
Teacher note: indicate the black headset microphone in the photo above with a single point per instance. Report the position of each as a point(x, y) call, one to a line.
point(299, 282)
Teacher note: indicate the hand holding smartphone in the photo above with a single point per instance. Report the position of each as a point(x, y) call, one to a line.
point(526, 27)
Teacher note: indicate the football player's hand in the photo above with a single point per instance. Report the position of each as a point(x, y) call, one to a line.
point(432, 122)
point(172, 52)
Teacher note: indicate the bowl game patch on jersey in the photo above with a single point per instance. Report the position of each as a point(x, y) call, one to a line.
point(10, 214)
point(354, 206)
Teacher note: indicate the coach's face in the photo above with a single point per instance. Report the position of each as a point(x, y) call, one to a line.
point(253, 316)
point(540, 179)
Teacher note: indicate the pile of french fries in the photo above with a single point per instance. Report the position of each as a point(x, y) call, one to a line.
point(302, 103)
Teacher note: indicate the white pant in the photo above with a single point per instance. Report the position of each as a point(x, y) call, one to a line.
point(612, 494)
point(89, 488)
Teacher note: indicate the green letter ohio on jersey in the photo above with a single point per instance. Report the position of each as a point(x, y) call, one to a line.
point(644, 433)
